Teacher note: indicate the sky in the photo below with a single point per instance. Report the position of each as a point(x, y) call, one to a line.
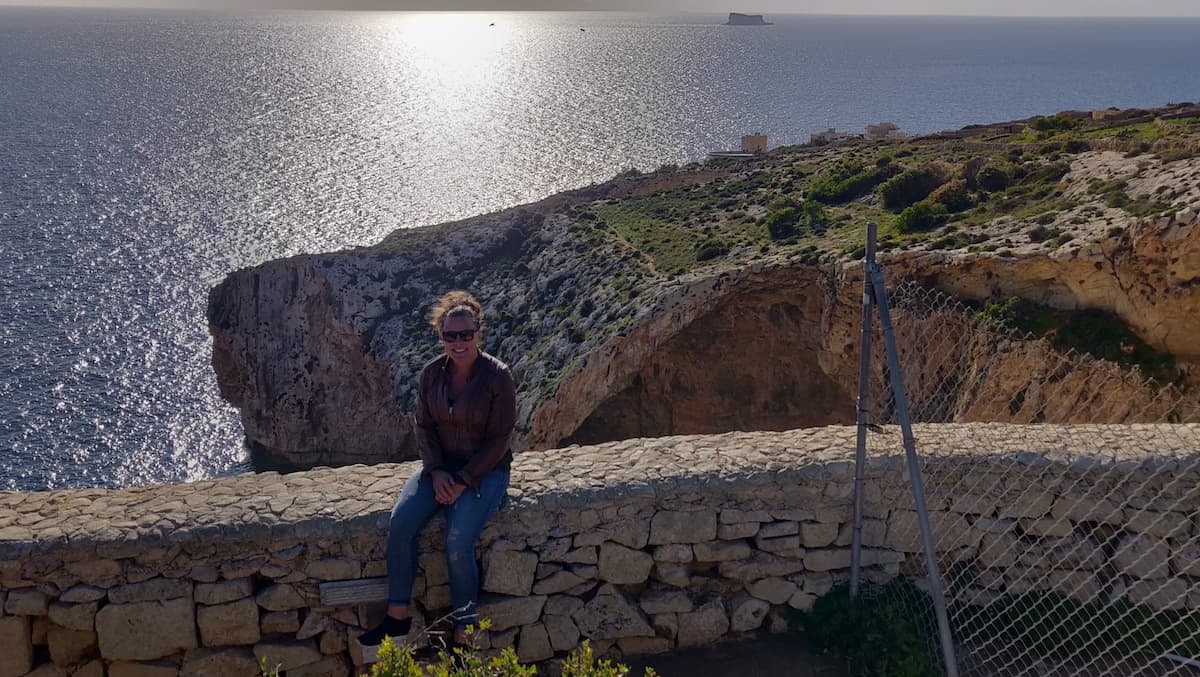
point(1149, 8)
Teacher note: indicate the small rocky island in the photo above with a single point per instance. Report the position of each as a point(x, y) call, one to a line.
point(736, 19)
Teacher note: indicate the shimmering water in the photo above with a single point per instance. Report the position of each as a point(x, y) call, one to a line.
point(145, 155)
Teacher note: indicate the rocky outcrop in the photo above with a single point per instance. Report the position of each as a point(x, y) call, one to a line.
point(320, 353)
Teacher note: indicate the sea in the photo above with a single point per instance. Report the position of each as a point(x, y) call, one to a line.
point(146, 154)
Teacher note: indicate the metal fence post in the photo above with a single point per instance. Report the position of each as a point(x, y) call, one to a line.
point(864, 383)
point(914, 472)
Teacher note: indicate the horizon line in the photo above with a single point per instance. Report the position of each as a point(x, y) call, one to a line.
point(234, 8)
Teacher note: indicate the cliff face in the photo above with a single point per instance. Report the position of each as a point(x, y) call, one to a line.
point(610, 336)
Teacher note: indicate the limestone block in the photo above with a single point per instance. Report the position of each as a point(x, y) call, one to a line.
point(562, 605)
point(26, 602)
point(974, 504)
point(146, 630)
point(103, 573)
point(999, 550)
point(761, 565)
point(333, 569)
point(75, 616)
point(678, 553)
point(333, 640)
point(993, 525)
point(774, 590)
point(561, 630)
point(69, 647)
point(279, 623)
point(1046, 526)
point(693, 526)
point(662, 601)
point(634, 533)
point(533, 644)
point(556, 583)
point(288, 654)
point(225, 591)
point(48, 670)
point(280, 597)
point(1083, 586)
point(1170, 593)
point(204, 573)
point(329, 666)
point(545, 570)
point(1185, 560)
point(729, 532)
point(830, 559)
point(156, 669)
point(510, 612)
point(580, 556)
point(39, 628)
point(678, 575)
point(951, 531)
point(782, 544)
point(82, 593)
point(734, 516)
point(610, 615)
point(817, 583)
point(798, 514)
point(153, 590)
point(874, 534)
point(665, 625)
point(433, 564)
point(510, 572)
point(229, 624)
point(817, 535)
point(1142, 557)
point(1160, 524)
point(224, 662)
point(622, 565)
point(703, 626)
point(721, 551)
point(802, 601)
point(747, 613)
point(437, 597)
point(502, 639)
point(775, 529)
point(17, 657)
point(90, 669)
point(643, 646)
point(1084, 509)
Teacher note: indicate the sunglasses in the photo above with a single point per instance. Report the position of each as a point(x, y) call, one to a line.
point(464, 335)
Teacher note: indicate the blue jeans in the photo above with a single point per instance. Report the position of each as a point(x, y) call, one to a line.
point(465, 519)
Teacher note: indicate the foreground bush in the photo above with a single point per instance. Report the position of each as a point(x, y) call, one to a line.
point(399, 661)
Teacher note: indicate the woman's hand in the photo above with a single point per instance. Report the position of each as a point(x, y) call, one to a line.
point(445, 489)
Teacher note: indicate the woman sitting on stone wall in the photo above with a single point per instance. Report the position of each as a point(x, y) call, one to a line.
point(466, 410)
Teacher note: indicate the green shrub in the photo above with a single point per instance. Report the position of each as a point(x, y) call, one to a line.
point(711, 249)
point(1099, 334)
point(845, 182)
point(910, 187)
point(921, 217)
point(953, 195)
point(399, 661)
point(887, 632)
point(781, 224)
point(992, 178)
point(1075, 146)
point(1053, 123)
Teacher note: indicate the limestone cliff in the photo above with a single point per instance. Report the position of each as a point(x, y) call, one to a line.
point(670, 303)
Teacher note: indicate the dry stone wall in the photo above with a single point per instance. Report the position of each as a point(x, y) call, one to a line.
point(639, 546)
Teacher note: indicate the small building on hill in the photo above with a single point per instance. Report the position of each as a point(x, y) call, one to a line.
point(883, 130)
point(754, 143)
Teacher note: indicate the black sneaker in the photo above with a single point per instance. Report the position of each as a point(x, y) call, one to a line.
point(390, 627)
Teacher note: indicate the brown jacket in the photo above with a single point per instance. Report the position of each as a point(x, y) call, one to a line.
point(469, 439)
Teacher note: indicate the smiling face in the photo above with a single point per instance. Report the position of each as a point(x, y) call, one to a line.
point(458, 347)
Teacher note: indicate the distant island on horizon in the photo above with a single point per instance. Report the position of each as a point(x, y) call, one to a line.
point(737, 19)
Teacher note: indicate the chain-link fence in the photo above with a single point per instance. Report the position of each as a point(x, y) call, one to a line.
point(1064, 501)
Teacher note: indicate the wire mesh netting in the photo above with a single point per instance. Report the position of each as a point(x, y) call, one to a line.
point(1064, 500)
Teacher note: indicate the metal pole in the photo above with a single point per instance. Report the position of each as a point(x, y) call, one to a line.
point(914, 474)
point(864, 383)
